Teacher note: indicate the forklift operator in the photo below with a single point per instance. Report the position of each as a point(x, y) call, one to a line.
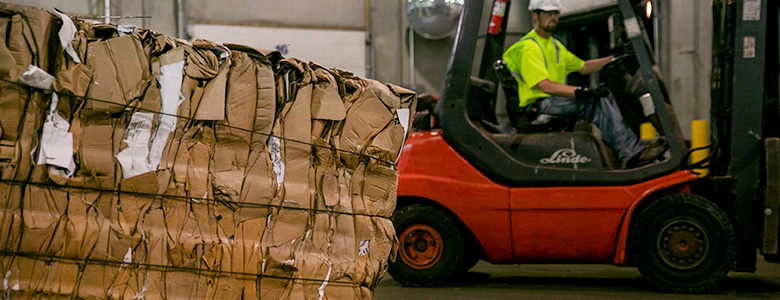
point(540, 64)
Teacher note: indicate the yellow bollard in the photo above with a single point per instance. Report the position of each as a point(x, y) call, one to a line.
point(647, 131)
point(699, 138)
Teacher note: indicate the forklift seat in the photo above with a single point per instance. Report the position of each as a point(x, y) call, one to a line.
point(526, 119)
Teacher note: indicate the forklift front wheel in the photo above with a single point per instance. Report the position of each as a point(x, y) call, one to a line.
point(431, 248)
point(683, 243)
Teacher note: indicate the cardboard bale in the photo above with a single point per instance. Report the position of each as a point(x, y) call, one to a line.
point(82, 226)
point(234, 133)
point(95, 154)
point(27, 39)
point(43, 216)
point(121, 73)
point(10, 218)
point(13, 101)
point(27, 276)
point(209, 172)
point(24, 44)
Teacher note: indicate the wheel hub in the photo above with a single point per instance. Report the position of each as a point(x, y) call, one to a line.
point(683, 244)
point(421, 246)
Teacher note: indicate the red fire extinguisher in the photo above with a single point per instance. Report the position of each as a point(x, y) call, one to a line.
point(497, 17)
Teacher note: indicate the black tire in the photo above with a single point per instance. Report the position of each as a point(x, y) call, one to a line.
point(471, 257)
point(683, 243)
point(420, 262)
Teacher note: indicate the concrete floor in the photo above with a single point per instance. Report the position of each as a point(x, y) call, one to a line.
point(486, 281)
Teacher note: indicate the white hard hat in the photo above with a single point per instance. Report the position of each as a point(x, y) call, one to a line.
point(545, 5)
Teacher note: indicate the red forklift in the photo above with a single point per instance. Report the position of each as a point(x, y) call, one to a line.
point(470, 190)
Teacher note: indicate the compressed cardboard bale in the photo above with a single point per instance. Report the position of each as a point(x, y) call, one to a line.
point(241, 97)
point(125, 284)
point(95, 153)
point(8, 67)
point(366, 117)
point(135, 200)
point(43, 215)
point(266, 102)
point(28, 137)
point(326, 102)
point(73, 81)
point(26, 277)
point(223, 287)
point(229, 161)
point(218, 252)
point(248, 254)
point(266, 93)
point(30, 30)
point(204, 62)
point(121, 73)
point(200, 151)
point(13, 102)
point(133, 148)
point(156, 236)
point(294, 126)
point(7, 154)
point(312, 260)
point(181, 228)
point(95, 280)
point(378, 188)
point(61, 278)
point(286, 226)
point(121, 246)
point(73, 77)
point(82, 226)
point(10, 218)
point(185, 285)
point(234, 133)
point(25, 43)
point(343, 250)
point(259, 184)
point(278, 272)
point(212, 103)
point(154, 285)
point(235, 201)
point(344, 290)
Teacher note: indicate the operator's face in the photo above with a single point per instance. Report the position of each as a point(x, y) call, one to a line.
point(548, 20)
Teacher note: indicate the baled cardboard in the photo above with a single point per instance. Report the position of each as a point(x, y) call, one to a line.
point(266, 93)
point(212, 103)
point(7, 70)
point(13, 100)
point(268, 177)
point(121, 73)
point(74, 80)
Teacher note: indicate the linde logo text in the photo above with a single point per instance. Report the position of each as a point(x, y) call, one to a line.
point(565, 156)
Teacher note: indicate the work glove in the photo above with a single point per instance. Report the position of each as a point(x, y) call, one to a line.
point(583, 93)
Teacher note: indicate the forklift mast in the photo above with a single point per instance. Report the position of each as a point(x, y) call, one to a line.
point(745, 121)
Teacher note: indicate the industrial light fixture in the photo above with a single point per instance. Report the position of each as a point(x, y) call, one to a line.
point(649, 9)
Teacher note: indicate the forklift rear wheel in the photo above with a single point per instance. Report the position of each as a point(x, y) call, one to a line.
point(431, 247)
point(683, 243)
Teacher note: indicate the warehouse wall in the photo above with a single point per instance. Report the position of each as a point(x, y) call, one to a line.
point(686, 61)
point(161, 12)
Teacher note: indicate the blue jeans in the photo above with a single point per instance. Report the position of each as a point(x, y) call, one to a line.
point(605, 115)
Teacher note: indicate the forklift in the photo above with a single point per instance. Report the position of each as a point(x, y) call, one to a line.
point(469, 190)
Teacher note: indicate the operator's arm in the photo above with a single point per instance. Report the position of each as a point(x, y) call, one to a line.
point(556, 89)
point(595, 65)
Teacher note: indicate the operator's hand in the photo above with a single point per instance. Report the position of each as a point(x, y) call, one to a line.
point(586, 93)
